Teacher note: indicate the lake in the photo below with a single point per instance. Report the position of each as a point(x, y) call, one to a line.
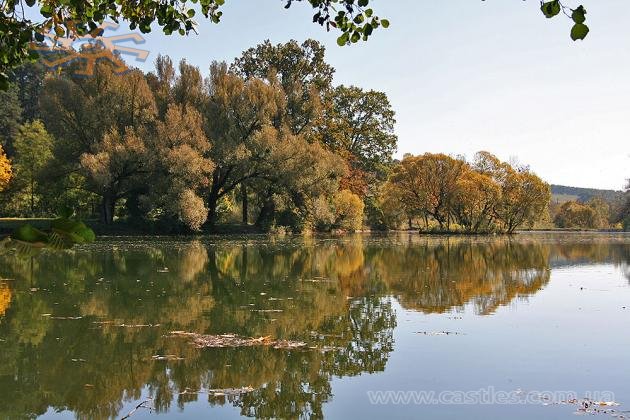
point(361, 326)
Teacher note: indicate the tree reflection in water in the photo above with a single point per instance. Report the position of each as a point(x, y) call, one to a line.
point(331, 293)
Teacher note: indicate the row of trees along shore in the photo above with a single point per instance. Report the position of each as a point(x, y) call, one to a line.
point(267, 140)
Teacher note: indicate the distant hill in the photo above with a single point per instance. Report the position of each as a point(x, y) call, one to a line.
point(562, 193)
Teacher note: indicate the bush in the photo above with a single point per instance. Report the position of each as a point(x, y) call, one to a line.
point(348, 211)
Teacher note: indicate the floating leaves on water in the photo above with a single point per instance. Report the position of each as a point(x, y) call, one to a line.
point(232, 340)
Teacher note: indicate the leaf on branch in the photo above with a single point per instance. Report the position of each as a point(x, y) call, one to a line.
point(551, 8)
point(578, 15)
point(579, 31)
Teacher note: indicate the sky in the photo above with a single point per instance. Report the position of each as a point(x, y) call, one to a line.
point(466, 75)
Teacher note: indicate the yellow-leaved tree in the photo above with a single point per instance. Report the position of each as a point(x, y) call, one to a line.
point(5, 170)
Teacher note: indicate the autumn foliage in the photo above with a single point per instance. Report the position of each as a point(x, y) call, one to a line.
point(485, 196)
point(5, 170)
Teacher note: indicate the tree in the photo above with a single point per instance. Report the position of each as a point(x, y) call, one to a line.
point(33, 151)
point(360, 124)
point(113, 167)
point(477, 194)
point(181, 168)
point(301, 71)
point(575, 215)
point(353, 19)
point(430, 182)
point(5, 170)
point(289, 195)
point(81, 113)
point(487, 196)
point(348, 210)
point(304, 76)
point(10, 116)
point(524, 196)
point(29, 81)
point(601, 210)
point(239, 116)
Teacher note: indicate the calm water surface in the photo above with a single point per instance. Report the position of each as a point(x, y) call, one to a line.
point(537, 313)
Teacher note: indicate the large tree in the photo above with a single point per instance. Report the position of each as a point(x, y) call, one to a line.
point(239, 116)
point(33, 150)
point(94, 121)
point(524, 195)
point(302, 72)
point(181, 167)
point(10, 116)
point(360, 125)
point(113, 167)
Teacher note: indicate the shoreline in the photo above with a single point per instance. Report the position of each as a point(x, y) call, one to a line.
point(7, 225)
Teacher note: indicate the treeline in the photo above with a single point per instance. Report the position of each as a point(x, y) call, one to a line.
point(268, 139)
point(448, 194)
point(597, 212)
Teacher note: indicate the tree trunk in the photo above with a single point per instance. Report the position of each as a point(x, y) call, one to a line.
point(108, 204)
point(266, 212)
point(213, 199)
point(245, 204)
point(32, 197)
point(134, 210)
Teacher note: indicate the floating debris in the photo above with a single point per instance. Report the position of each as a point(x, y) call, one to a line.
point(586, 406)
point(318, 280)
point(219, 392)
point(266, 310)
point(232, 340)
point(63, 317)
point(162, 270)
point(144, 404)
point(439, 333)
point(166, 357)
point(122, 325)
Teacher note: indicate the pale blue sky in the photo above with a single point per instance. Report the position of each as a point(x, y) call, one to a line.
point(467, 75)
